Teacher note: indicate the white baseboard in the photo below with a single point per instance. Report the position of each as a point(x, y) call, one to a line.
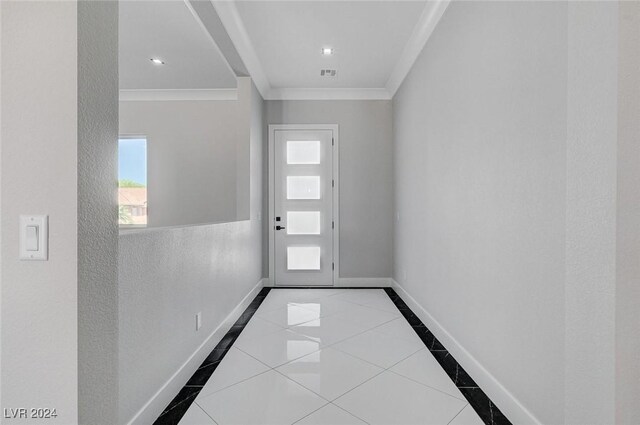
point(363, 281)
point(513, 409)
point(154, 407)
point(355, 282)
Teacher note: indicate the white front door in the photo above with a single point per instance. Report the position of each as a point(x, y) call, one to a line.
point(303, 207)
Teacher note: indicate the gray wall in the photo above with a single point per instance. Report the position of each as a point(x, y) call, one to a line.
point(366, 178)
point(39, 176)
point(590, 281)
point(517, 193)
point(59, 132)
point(197, 157)
point(1, 274)
point(64, 122)
point(480, 129)
point(97, 212)
point(166, 276)
point(628, 219)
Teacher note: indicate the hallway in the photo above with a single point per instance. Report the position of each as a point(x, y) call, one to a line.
point(319, 212)
point(330, 356)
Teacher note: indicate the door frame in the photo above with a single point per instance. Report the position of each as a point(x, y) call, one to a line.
point(336, 194)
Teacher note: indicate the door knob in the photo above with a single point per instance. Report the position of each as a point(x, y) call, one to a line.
point(279, 227)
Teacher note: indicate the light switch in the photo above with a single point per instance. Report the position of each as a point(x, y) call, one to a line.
point(31, 242)
point(34, 237)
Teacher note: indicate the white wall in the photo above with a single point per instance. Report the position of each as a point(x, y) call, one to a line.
point(169, 275)
point(197, 157)
point(366, 178)
point(480, 129)
point(38, 170)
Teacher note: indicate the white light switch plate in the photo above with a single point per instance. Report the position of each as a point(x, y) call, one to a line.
point(34, 249)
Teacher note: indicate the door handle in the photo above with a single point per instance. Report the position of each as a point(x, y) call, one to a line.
point(279, 227)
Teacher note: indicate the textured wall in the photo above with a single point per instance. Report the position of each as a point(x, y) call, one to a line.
point(38, 166)
point(166, 276)
point(480, 128)
point(97, 212)
point(366, 177)
point(199, 145)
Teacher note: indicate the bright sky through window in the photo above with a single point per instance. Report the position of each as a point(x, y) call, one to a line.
point(132, 181)
point(132, 160)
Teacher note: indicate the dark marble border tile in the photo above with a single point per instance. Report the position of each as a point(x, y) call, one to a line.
point(428, 338)
point(486, 409)
point(178, 406)
point(181, 403)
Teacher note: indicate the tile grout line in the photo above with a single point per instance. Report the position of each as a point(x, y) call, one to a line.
point(381, 372)
point(186, 402)
point(300, 305)
point(458, 414)
point(333, 314)
point(368, 362)
point(253, 309)
point(342, 340)
point(355, 416)
point(310, 413)
point(235, 383)
point(422, 383)
point(382, 369)
point(205, 412)
point(475, 404)
point(354, 388)
point(297, 383)
point(293, 360)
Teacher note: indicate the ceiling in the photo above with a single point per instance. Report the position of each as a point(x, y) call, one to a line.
point(168, 30)
point(277, 42)
point(368, 38)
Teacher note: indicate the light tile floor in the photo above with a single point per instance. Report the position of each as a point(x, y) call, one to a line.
point(329, 357)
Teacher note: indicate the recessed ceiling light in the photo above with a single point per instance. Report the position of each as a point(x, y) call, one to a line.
point(157, 61)
point(327, 51)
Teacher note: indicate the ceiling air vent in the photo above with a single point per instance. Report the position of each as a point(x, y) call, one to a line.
point(327, 72)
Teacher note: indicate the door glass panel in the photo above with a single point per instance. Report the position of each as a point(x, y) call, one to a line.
point(303, 187)
point(303, 258)
point(303, 152)
point(303, 222)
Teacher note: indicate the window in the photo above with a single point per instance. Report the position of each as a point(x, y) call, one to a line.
point(132, 181)
point(303, 152)
point(303, 187)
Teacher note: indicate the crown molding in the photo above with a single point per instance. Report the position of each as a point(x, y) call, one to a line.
point(429, 18)
point(230, 18)
point(232, 22)
point(328, 94)
point(177, 94)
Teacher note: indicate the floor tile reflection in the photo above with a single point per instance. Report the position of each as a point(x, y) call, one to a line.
point(329, 357)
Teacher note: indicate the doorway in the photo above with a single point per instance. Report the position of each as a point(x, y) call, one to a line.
point(303, 204)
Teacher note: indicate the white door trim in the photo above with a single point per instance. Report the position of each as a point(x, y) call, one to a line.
point(336, 194)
